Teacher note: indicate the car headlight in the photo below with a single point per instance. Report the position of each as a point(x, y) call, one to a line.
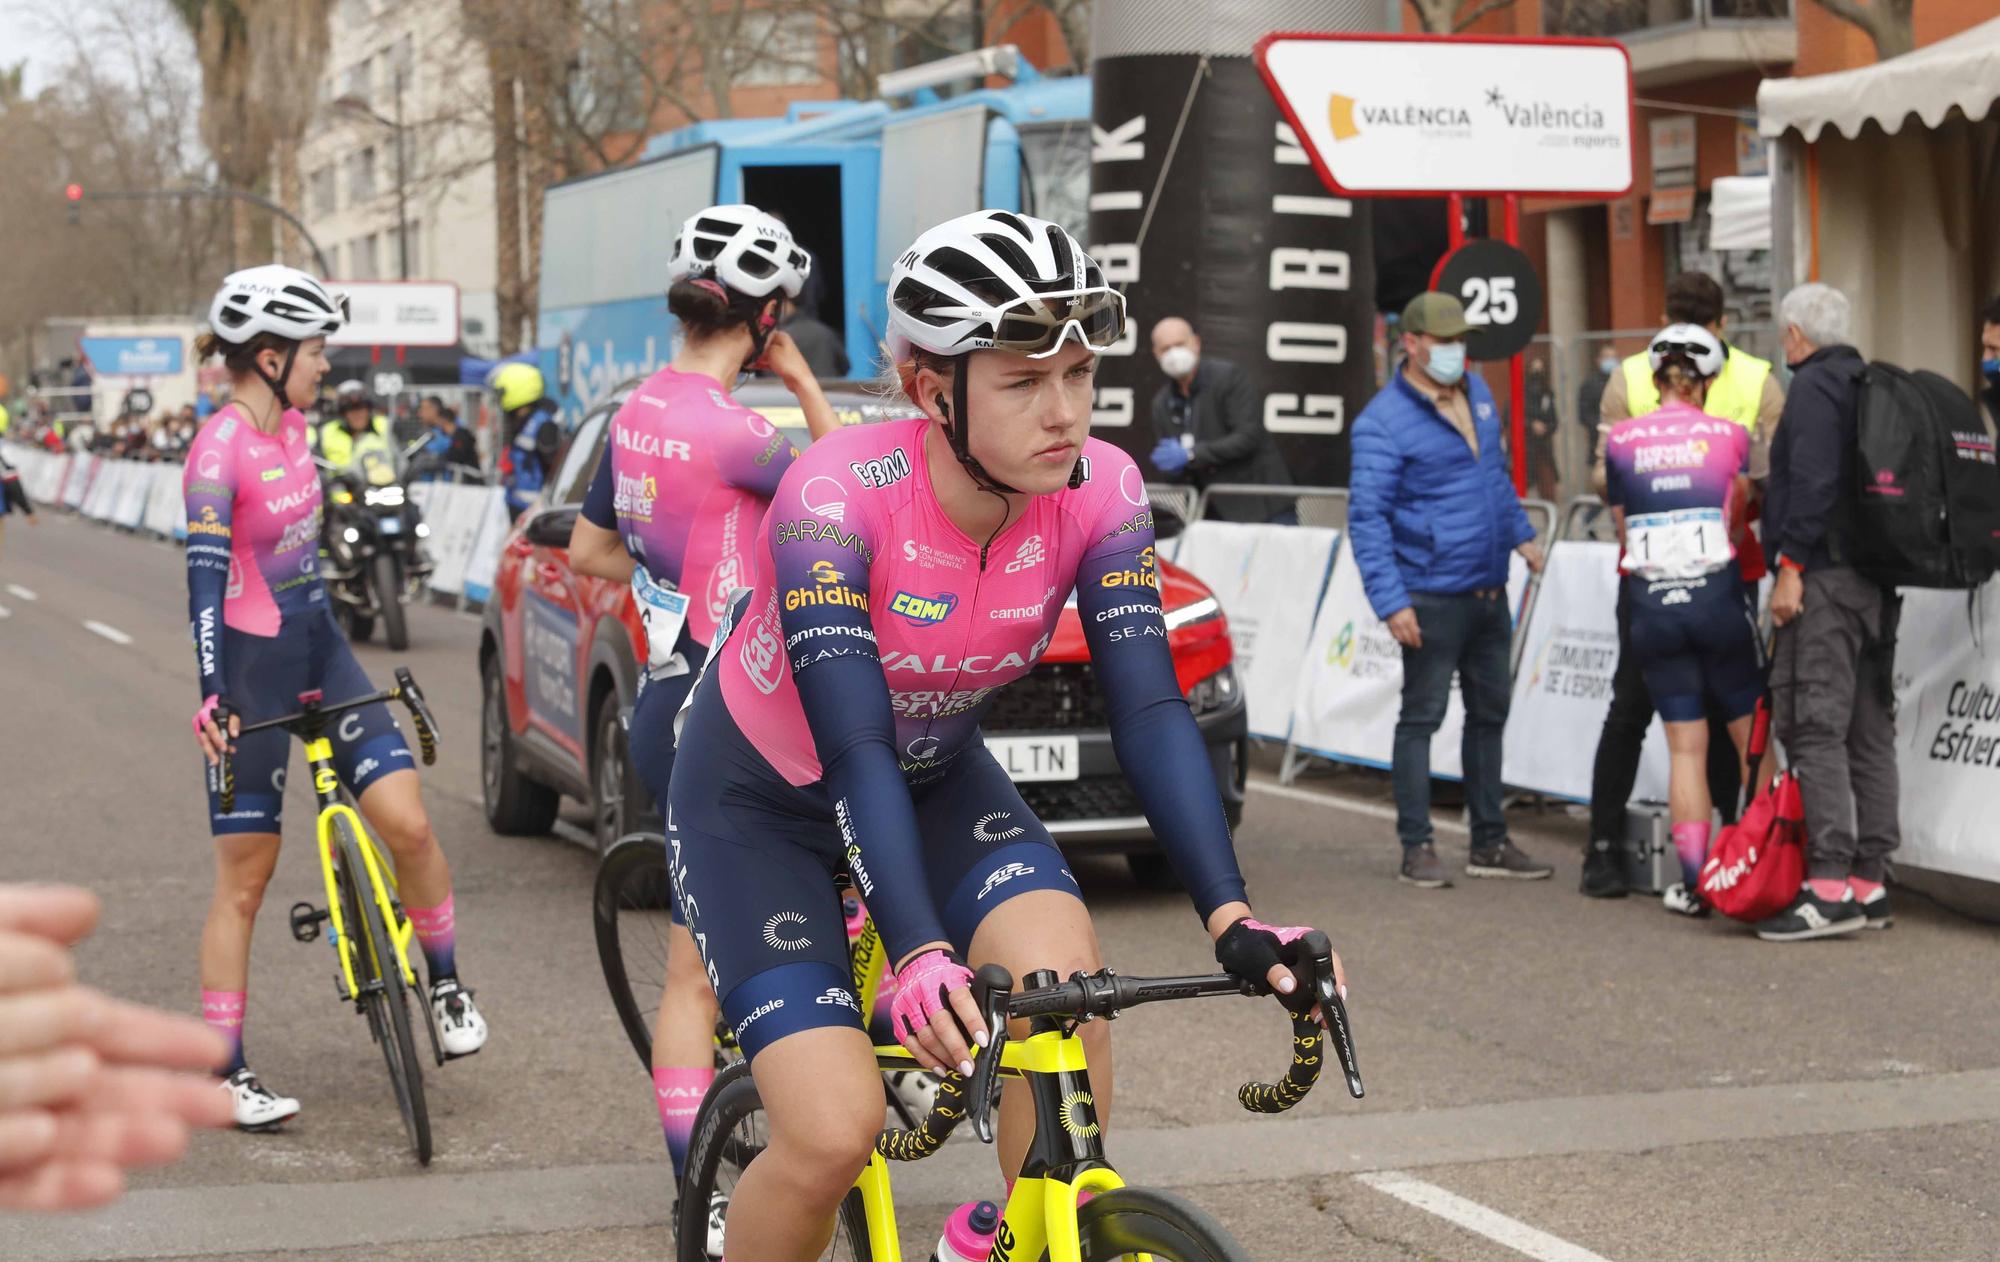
point(1207, 609)
point(1216, 692)
point(383, 496)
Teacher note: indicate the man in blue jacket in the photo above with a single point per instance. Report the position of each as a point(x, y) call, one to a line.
point(1433, 520)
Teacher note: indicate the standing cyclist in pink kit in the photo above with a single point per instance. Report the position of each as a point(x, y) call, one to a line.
point(263, 635)
point(907, 571)
point(674, 509)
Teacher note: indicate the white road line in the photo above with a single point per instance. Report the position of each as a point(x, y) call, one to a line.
point(22, 592)
point(6, 612)
point(1344, 803)
point(1474, 1217)
point(110, 633)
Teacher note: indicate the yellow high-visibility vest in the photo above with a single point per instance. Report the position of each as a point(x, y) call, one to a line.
point(1734, 394)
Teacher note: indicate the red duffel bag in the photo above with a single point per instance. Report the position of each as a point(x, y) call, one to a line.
point(1756, 865)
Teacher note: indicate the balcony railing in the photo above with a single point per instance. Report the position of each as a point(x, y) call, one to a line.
point(1648, 17)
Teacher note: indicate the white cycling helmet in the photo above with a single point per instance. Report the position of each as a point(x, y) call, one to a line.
point(997, 280)
point(1690, 342)
point(274, 299)
point(742, 247)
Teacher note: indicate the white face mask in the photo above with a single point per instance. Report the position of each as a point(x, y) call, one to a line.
point(1178, 361)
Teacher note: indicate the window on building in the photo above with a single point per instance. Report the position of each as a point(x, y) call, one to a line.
point(776, 50)
point(356, 81)
point(366, 256)
point(323, 190)
point(361, 175)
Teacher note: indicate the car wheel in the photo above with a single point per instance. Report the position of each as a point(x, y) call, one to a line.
point(515, 805)
point(1153, 872)
point(614, 789)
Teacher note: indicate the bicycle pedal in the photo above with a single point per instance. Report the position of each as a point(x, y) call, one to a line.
point(306, 920)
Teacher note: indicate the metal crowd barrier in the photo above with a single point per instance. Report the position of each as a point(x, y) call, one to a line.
point(1315, 499)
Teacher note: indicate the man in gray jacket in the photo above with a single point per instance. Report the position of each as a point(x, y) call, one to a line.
point(1211, 429)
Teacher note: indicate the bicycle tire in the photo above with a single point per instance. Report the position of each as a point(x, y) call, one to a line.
point(726, 1140)
point(628, 903)
point(388, 1004)
point(1126, 1222)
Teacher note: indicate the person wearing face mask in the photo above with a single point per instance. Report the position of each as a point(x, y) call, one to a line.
point(1989, 361)
point(1210, 428)
point(1433, 517)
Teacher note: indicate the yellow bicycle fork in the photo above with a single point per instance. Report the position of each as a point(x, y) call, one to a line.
point(381, 879)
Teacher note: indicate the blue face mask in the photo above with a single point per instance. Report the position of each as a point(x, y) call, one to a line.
point(1446, 363)
point(1991, 369)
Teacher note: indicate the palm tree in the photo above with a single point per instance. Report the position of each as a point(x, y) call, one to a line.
point(235, 128)
point(288, 46)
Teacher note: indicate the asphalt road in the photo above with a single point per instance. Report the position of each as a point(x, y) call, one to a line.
point(1547, 1076)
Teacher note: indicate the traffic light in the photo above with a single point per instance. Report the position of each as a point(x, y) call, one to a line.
point(74, 192)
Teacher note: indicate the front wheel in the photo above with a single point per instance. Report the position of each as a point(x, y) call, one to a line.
point(1136, 1222)
point(629, 913)
point(385, 996)
point(387, 576)
point(728, 1134)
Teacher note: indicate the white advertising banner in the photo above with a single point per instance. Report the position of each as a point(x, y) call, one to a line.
point(455, 515)
point(1563, 685)
point(1414, 115)
point(165, 509)
point(1948, 730)
point(484, 561)
point(1269, 580)
point(398, 313)
point(1350, 686)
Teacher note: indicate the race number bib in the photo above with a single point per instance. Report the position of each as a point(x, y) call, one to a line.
point(663, 611)
point(1683, 543)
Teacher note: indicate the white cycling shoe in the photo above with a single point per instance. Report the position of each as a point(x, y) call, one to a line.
point(461, 1030)
point(257, 1108)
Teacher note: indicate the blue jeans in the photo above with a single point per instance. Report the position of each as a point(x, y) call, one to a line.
point(1471, 636)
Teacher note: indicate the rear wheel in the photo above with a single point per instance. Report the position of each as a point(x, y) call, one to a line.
point(385, 996)
point(388, 581)
point(729, 1133)
point(515, 805)
point(1139, 1222)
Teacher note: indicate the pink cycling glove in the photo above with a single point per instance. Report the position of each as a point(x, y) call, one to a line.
point(206, 715)
point(921, 989)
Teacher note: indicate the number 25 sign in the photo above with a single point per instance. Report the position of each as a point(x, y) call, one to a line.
point(1502, 296)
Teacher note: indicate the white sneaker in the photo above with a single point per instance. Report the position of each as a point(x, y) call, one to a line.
point(1681, 900)
point(257, 1108)
point(461, 1030)
point(718, 1209)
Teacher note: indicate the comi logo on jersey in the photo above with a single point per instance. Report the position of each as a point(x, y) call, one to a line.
point(1028, 555)
point(272, 475)
point(924, 611)
point(884, 470)
point(1144, 576)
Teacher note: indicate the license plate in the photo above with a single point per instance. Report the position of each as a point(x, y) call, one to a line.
point(1030, 758)
point(392, 525)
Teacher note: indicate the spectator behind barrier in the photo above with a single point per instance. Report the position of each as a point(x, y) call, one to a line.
point(1746, 392)
point(1989, 362)
point(1210, 429)
point(1433, 519)
point(1831, 675)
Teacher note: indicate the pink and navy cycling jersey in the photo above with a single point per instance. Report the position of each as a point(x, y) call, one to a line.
point(879, 631)
point(253, 509)
point(1674, 473)
point(684, 479)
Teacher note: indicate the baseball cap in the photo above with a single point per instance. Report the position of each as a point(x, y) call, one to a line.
point(1439, 315)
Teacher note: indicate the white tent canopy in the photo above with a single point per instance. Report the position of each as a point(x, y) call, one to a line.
point(1962, 72)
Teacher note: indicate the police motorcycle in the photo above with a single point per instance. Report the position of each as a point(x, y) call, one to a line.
point(374, 556)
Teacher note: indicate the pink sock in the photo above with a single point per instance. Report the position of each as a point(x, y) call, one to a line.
point(437, 934)
point(679, 1093)
point(1827, 891)
point(1863, 890)
point(1691, 844)
point(223, 1010)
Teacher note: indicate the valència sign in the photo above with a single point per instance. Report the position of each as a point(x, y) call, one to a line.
point(1421, 115)
point(398, 313)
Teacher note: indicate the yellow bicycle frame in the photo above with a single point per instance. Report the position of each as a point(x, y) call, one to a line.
point(1041, 1212)
point(381, 879)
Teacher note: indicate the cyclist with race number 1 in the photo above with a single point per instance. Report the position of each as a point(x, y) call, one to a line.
point(907, 570)
point(263, 634)
point(673, 509)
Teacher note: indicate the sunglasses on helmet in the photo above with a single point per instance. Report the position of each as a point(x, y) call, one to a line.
point(1037, 325)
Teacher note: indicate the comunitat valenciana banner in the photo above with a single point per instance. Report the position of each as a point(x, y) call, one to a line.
point(1948, 730)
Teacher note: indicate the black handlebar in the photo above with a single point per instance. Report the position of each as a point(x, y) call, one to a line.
point(311, 720)
point(1105, 994)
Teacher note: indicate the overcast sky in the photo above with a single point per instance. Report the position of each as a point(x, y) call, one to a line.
point(28, 37)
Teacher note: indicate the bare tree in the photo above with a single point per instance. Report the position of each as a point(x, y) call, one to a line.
point(237, 134)
point(288, 41)
point(1446, 17)
point(1890, 23)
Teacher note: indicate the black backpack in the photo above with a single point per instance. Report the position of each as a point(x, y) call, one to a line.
point(1927, 489)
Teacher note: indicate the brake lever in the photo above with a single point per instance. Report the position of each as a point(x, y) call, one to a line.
point(420, 713)
point(992, 987)
point(1327, 992)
